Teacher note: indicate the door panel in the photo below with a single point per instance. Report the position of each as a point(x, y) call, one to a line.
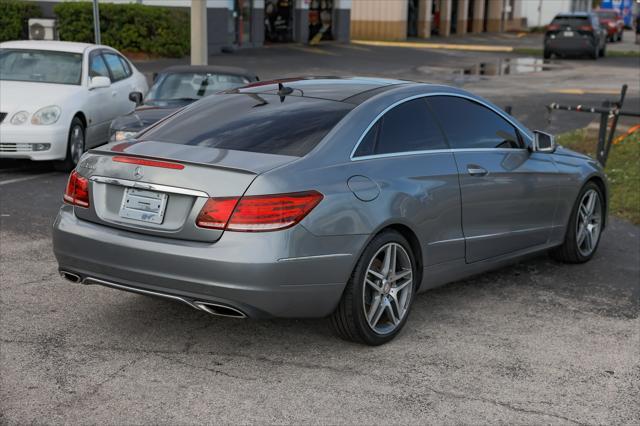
point(511, 205)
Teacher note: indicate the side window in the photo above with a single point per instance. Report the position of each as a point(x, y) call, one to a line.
point(115, 65)
point(97, 67)
point(125, 64)
point(469, 125)
point(405, 128)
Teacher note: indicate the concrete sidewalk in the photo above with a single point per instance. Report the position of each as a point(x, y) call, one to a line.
point(494, 42)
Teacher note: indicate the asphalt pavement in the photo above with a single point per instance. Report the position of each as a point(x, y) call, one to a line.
point(537, 342)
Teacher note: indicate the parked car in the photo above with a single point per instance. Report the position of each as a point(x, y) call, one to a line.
point(174, 88)
point(611, 20)
point(575, 33)
point(58, 98)
point(325, 197)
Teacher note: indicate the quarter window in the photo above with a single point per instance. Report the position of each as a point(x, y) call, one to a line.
point(97, 67)
point(469, 125)
point(115, 66)
point(406, 128)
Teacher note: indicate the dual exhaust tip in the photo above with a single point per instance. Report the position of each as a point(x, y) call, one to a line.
point(210, 308)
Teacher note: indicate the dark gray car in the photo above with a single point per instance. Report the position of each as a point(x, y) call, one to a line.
point(325, 197)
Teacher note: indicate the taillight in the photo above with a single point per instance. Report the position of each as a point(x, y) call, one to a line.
point(258, 213)
point(77, 190)
point(585, 28)
point(553, 27)
point(216, 212)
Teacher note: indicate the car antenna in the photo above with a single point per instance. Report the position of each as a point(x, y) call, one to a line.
point(283, 91)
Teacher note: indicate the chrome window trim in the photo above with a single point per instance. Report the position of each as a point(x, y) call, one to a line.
point(435, 151)
point(149, 186)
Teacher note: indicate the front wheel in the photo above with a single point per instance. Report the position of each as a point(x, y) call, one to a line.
point(585, 226)
point(75, 146)
point(376, 302)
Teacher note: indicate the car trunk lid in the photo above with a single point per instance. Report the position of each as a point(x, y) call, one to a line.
point(158, 189)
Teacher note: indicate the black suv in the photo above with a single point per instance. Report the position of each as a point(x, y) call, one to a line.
point(575, 33)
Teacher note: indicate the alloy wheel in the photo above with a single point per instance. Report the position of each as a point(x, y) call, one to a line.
point(589, 222)
point(388, 287)
point(76, 143)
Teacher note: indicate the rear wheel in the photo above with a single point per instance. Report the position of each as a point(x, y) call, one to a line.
point(603, 51)
point(595, 52)
point(620, 35)
point(75, 146)
point(585, 226)
point(546, 54)
point(376, 302)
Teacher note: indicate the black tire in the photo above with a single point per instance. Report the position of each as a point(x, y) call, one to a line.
point(72, 157)
point(569, 252)
point(620, 35)
point(602, 53)
point(349, 320)
point(546, 54)
point(595, 53)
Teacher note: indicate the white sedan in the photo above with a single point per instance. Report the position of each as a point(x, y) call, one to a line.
point(57, 99)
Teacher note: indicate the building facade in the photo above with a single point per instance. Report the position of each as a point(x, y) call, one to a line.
point(235, 24)
point(539, 13)
point(402, 19)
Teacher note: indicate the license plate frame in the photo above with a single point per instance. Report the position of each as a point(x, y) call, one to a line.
point(143, 205)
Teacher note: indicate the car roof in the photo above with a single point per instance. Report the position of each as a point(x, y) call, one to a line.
point(54, 45)
point(213, 69)
point(342, 89)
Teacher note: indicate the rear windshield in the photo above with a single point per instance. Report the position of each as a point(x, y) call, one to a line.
point(571, 21)
point(606, 14)
point(251, 122)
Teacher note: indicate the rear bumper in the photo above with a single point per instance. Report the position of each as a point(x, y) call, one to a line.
point(289, 273)
point(570, 45)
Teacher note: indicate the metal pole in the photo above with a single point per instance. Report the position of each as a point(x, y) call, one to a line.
point(199, 32)
point(96, 21)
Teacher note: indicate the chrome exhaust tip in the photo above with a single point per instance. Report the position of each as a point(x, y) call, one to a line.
point(219, 310)
point(70, 276)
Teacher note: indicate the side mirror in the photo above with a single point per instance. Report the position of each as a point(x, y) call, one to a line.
point(543, 142)
point(99, 82)
point(136, 98)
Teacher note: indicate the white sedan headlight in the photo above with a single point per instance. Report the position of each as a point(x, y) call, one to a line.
point(47, 115)
point(19, 117)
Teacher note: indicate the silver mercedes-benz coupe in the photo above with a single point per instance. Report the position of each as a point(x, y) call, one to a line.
point(316, 197)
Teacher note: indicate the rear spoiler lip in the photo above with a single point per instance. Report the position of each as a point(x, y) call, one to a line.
point(98, 151)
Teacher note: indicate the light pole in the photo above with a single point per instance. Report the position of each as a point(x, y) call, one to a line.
point(199, 32)
point(96, 21)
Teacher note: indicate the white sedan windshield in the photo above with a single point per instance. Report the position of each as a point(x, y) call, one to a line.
point(40, 66)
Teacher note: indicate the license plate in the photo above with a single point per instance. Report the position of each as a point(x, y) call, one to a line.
point(143, 205)
point(568, 34)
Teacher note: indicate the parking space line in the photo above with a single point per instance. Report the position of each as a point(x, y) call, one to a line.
point(25, 178)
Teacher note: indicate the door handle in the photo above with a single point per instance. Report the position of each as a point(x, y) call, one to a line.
point(475, 170)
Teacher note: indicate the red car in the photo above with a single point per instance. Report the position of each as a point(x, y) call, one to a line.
point(612, 21)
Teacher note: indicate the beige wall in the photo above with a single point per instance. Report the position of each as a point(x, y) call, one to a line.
point(387, 19)
point(379, 19)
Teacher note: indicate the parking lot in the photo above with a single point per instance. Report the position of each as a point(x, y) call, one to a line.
point(537, 342)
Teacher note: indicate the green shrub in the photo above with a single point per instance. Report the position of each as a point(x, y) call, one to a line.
point(162, 31)
point(14, 16)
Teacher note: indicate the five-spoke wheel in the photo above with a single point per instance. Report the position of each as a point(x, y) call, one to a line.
point(376, 302)
point(585, 226)
point(388, 287)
